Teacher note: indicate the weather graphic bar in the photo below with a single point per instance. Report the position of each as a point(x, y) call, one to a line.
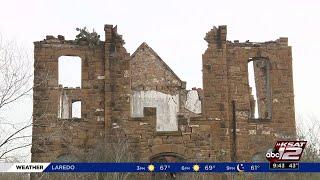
point(223, 167)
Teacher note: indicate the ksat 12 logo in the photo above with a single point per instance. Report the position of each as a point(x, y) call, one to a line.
point(286, 151)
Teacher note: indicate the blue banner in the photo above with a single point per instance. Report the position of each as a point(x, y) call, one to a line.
point(223, 167)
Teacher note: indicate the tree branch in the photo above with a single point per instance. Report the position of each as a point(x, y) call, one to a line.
point(8, 139)
point(19, 147)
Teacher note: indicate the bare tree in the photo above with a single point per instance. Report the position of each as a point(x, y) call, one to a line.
point(15, 80)
point(113, 148)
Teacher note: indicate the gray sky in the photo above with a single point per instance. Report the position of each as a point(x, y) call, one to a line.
point(175, 30)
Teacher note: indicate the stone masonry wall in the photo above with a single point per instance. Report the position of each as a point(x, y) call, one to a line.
point(150, 72)
point(223, 131)
point(53, 136)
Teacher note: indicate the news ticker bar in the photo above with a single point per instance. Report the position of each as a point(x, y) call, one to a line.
point(222, 167)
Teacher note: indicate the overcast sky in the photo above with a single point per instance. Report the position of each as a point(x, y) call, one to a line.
point(175, 30)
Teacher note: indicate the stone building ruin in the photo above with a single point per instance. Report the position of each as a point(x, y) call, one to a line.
point(139, 96)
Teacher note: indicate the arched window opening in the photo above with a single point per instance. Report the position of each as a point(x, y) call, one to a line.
point(259, 85)
point(166, 158)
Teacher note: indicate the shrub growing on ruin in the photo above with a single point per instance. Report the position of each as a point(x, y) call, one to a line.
point(92, 38)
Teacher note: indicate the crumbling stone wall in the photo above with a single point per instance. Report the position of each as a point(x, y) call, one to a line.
point(228, 95)
point(154, 84)
point(224, 130)
point(150, 72)
point(53, 136)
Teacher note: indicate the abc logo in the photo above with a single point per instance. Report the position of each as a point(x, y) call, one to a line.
point(272, 155)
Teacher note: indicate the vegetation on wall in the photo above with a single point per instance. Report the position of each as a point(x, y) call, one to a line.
point(92, 38)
